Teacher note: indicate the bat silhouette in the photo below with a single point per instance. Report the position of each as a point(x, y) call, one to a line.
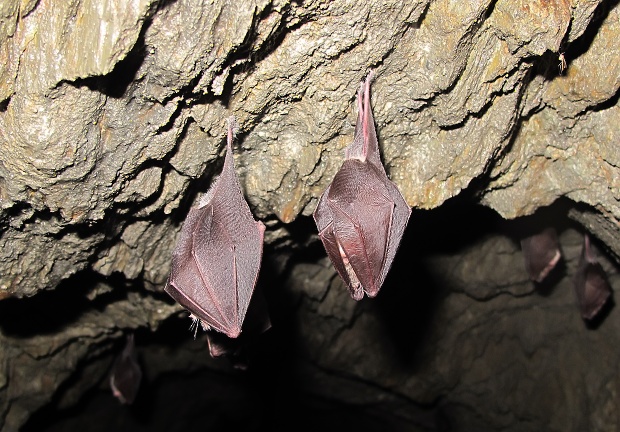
point(361, 216)
point(217, 257)
point(591, 283)
point(541, 252)
point(126, 373)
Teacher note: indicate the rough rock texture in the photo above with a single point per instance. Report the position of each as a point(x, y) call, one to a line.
point(112, 121)
point(502, 359)
point(468, 343)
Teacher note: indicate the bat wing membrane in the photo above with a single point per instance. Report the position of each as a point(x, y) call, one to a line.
point(126, 374)
point(216, 262)
point(242, 235)
point(189, 284)
point(362, 212)
point(397, 226)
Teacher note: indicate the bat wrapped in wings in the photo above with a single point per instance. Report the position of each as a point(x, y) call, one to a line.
point(591, 285)
point(218, 254)
point(126, 373)
point(541, 252)
point(361, 216)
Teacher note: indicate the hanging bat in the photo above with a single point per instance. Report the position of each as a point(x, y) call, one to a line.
point(126, 373)
point(591, 283)
point(541, 252)
point(216, 260)
point(361, 216)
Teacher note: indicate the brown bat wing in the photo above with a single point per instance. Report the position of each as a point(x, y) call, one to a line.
point(188, 283)
point(362, 215)
point(400, 218)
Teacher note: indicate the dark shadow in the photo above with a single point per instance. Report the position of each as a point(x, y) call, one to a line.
point(4, 105)
point(410, 297)
point(116, 83)
point(41, 315)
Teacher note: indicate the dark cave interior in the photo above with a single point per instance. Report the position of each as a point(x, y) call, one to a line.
point(283, 387)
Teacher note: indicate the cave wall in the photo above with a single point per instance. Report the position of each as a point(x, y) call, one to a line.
point(112, 123)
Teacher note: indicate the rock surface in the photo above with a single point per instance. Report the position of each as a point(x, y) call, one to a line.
point(112, 122)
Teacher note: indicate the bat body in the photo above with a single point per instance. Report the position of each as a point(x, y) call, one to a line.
point(126, 374)
point(591, 285)
point(216, 261)
point(361, 216)
point(541, 252)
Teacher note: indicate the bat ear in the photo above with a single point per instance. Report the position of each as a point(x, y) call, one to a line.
point(365, 145)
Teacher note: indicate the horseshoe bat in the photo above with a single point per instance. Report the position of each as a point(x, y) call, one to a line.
point(361, 216)
point(126, 373)
point(541, 252)
point(591, 283)
point(217, 257)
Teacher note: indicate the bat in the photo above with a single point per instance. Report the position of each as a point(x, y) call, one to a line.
point(126, 374)
point(591, 283)
point(361, 216)
point(216, 260)
point(541, 252)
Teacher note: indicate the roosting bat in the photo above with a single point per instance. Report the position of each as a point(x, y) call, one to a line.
point(126, 373)
point(541, 252)
point(216, 260)
point(361, 216)
point(591, 283)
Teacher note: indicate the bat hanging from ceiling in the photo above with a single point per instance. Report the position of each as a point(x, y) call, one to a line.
point(218, 254)
point(126, 373)
point(541, 252)
point(591, 285)
point(361, 216)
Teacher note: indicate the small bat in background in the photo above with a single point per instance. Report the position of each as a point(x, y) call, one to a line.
point(541, 252)
point(217, 257)
point(126, 373)
point(591, 283)
point(361, 216)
